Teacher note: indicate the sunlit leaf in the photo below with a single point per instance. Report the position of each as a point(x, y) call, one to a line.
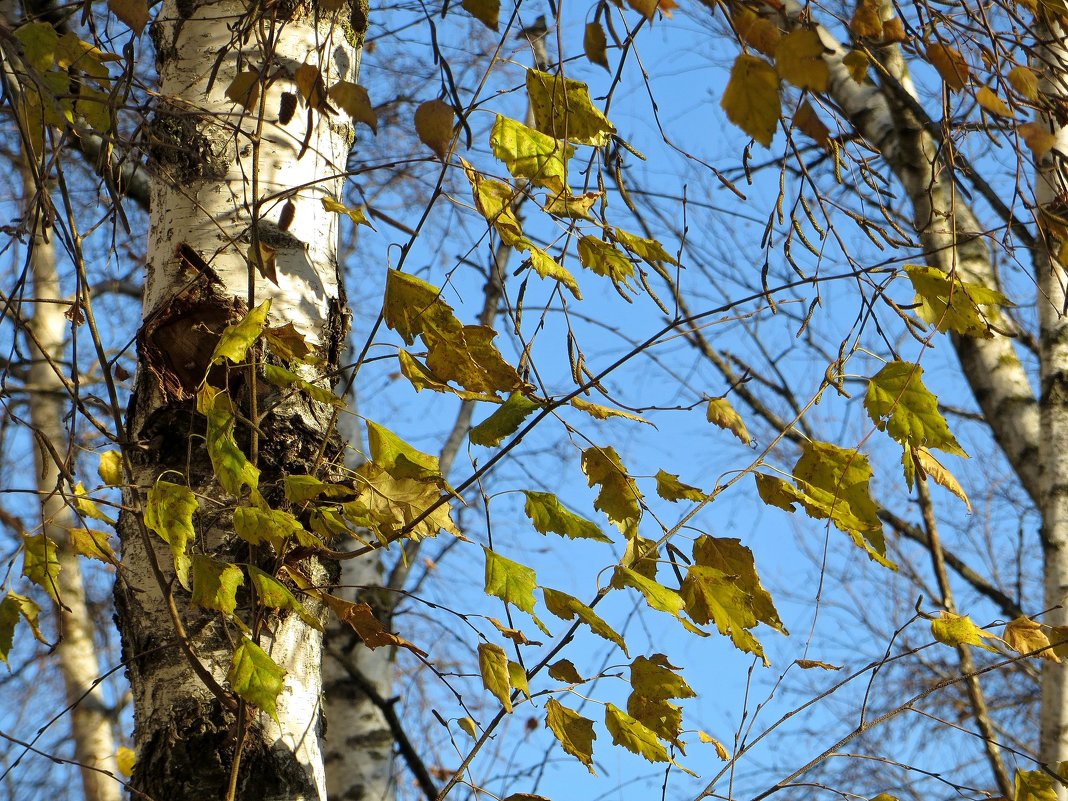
point(235, 341)
point(567, 607)
point(517, 677)
point(493, 665)
point(86, 506)
point(574, 732)
point(810, 664)
point(660, 716)
point(394, 507)
point(299, 488)
point(548, 514)
point(808, 122)
point(595, 44)
point(956, 630)
point(169, 512)
point(126, 759)
point(531, 154)
point(952, 304)
point(39, 40)
point(133, 12)
point(605, 412)
point(281, 377)
point(13, 608)
point(354, 101)
point(255, 677)
point(656, 594)
point(1025, 636)
point(494, 201)
point(722, 414)
point(756, 31)
point(986, 98)
point(605, 259)
point(950, 65)
point(648, 249)
point(562, 109)
point(215, 584)
point(547, 267)
point(751, 98)
point(1033, 785)
point(721, 750)
point(1024, 81)
point(110, 468)
point(671, 489)
point(232, 468)
point(577, 207)
point(92, 544)
point(564, 670)
point(244, 90)
point(358, 216)
point(363, 621)
point(504, 422)
point(312, 88)
point(634, 735)
point(272, 593)
point(656, 678)
point(468, 726)
point(397, 457)
point(898, 402)
point(618, 496)
point(856, 61)
point(512, 582)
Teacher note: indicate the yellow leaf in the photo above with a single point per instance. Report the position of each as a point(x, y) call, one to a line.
point(493, 665)
point(38, 40)
point(512, 582)
point(950, 65)
point(485, 11)
point(244, 90)
point(894, 31)
point(272, 593)
point(133, 12)
point(648, 249)
point(547, 267)
point(1024, 81)
point(215, 584)
point(636, 737)
point(671, 489)
point(856, 61)
point(1038, 138)
point(956, 630)
point(517, 677)
point(504, 422)
point(756, 31)
point(577, 207)
point(721, 750)
point(562, 109)
point(574, 732)
point(648, 8)
point(358, 216)
point(493, 200)
point(126, 759)
point(567, 607)
point(809, 664)
point(808, 123)
point(930, 467)
point(312, 88)
point(751, 98)
point(898, 402)
point(866, 22)
point(1025, 636)
point(595, 44)
point(169, 512)
point(1034, 785)
point(992, 103)
point(469, 727)
point(619, 496)
point(799, 60)
point(605, 412)
point(721, 413)
point(952, 304)
point(433, 125)
point(530, 154)
point(86, 507)
point(564, 670)
point(354, 101)
point(602, 258)
point(92, 544)
point(236, 339)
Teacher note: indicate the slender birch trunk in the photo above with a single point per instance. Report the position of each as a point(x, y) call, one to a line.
point(228, 179)
point(90, 719)
point(1051, 195)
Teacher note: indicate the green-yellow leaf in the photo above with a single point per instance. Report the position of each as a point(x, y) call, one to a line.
point(512, 582)
point(92, 545)
point(721, 750)
point(494, 200)
point(40, 563)
point(548, 514)
point(619, 496)
point(1025, 636)
point(710, 595)
point(232, 467)
point(434, 121)
point(14, 608)
point(898, 402)
point(595, 44)
point(354, 101)
point(215, 584)
point(952, 304)
point(493, 665)
point(73, 52)
point(255, 677)
point(397, 457)
point(671, 489)
point(87, 507)
point(504, 422)
point(648, 249)
point(110, 468)
point(531, 154)
point(517, 677)
point(566, 607)
point(574, 732)
point(281, 377)
point(469, 727)
point(548, 267)
point(1033, 785)
point(751, 98)
point(390, 506)
point(656, 594)
point(956, 630)
point(238, 338)
point(564, 670)
point(1024, 81)
point(661, 717)
point(485, 11)
point(276, 595)
point(39, 40)
point(722, 414)
point(799, 60)
point(633, 735)
point(299, 489)
point(169, 512)
point(604, 259)
point(577, 207)
point(562, 108)
point(657, 679)
point(422, 378)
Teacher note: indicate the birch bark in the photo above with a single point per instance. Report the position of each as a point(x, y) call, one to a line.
point(225, 176)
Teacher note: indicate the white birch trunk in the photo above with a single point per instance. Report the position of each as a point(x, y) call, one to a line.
point(90, 720)
point(1051, 195)
point(224, 177)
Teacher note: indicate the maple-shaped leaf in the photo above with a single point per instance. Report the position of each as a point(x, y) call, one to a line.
point(13, 608)
point(562, 109)
point(1025, 636)
point(574, 732)
point(564, 670)
point(232, 468)
point(619, 496)
point(722, 414)
point(671, 489)
point(272, 593)
point(734, 559)
point(393, 507)
point(512, 582)
point(255, 677)
point(215, 584)
point(169, 512)
point(493, 665)
point(952, 304)
point(398, 458)
point(236, 339)
point(434, 121)
point(504, 422)
point(531, 154)
point(957, 630)
point(751, 98)
point(1033, 785)
point(567, 607)
point(656, 678)
point(898, 402)
point(548, 514)
point(799, 60)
